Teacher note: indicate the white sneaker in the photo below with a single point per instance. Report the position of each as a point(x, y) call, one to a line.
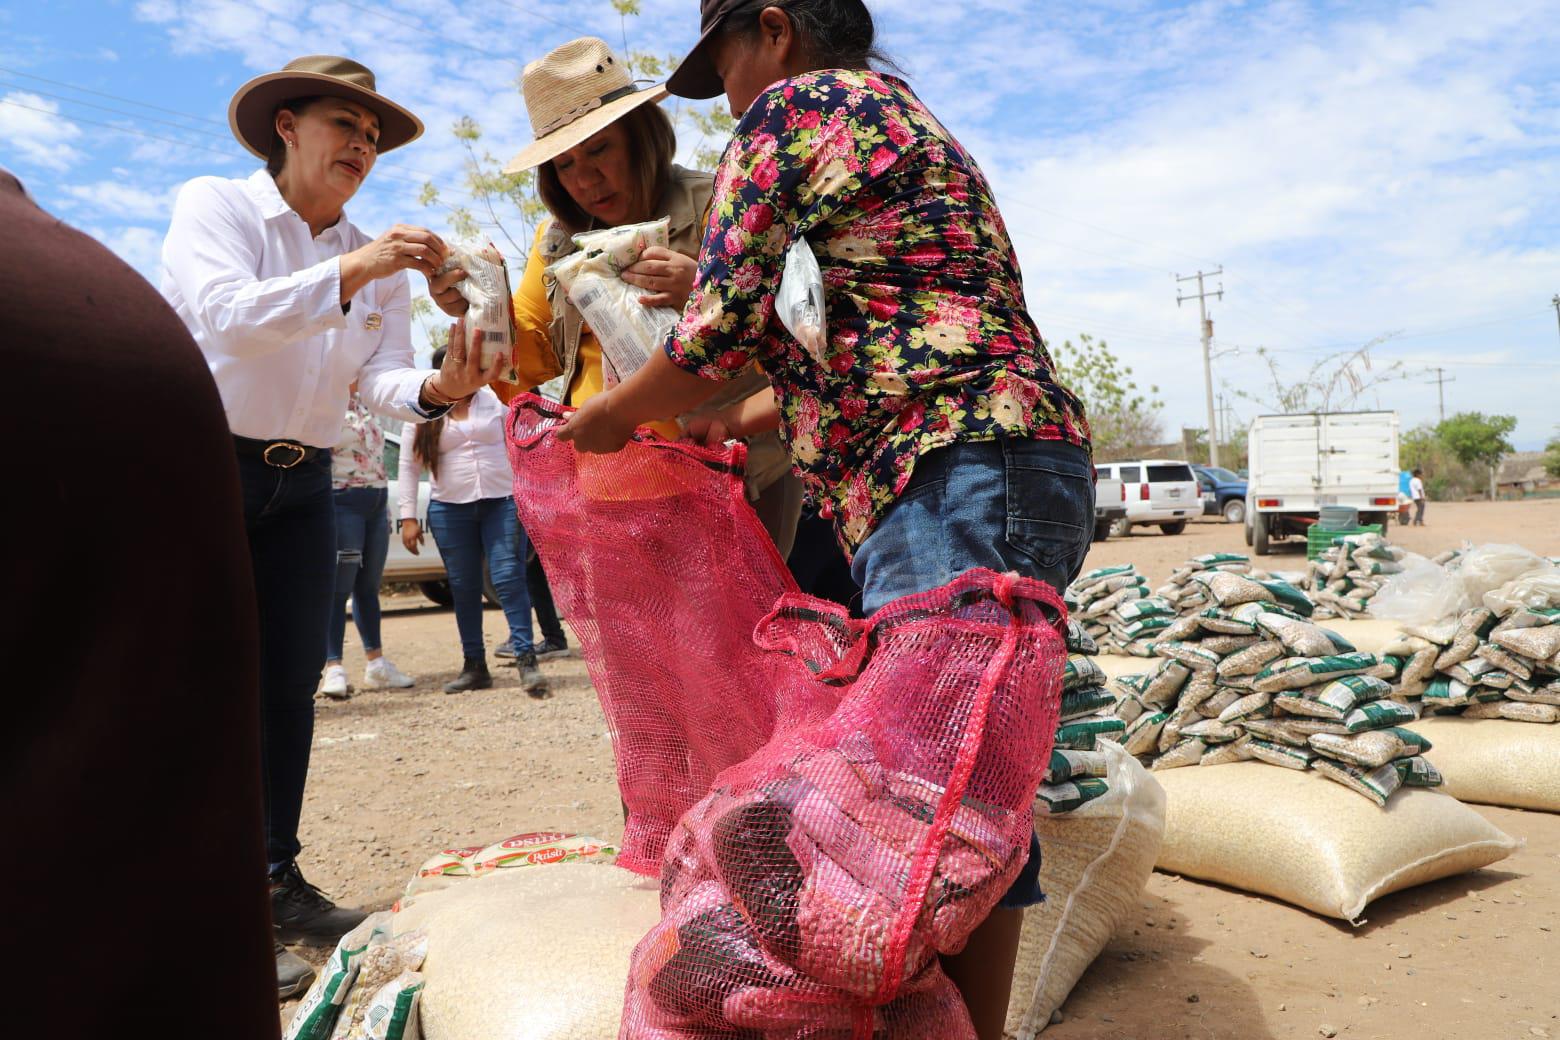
point(382, 673)
point(335, 685)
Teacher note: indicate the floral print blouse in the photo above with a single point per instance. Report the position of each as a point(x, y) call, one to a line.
point(930, 341)
point(358, 459)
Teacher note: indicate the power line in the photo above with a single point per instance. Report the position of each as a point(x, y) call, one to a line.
point(549, 18)
point(104, 108)
point(112, 97)
point(421, 28)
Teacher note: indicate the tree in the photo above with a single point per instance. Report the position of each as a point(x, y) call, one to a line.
point(1552, 457)
point(1121, 416)
point(1477, 439)
point(1334, 383)
point(1447, 479)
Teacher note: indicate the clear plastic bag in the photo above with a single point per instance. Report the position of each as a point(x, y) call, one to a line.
point(628, 331)
point(800, 303)
point(1423, 594)
point(486, 288)
point(1488, 567)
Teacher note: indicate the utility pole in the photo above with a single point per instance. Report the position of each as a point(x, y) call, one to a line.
point(1207, 336)
point(1441, 379)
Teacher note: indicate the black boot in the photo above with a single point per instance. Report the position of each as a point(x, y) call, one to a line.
point(303, 914)
point(293, 974)
point(473, 676)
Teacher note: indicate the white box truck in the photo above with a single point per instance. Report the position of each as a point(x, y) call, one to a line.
point(1300, 463)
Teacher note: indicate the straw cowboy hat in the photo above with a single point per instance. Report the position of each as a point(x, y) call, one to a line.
point(252, 111)
point(575, 91)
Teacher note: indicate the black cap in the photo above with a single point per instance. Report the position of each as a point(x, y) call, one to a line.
point(695, 76)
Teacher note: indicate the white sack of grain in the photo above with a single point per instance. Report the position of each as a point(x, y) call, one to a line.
point(1496, 761)
point(1318, 845)
point(1094, 864)
point(530, 954)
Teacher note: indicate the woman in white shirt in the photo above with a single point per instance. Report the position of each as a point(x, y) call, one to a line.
point(291, 304)
point(471, 510)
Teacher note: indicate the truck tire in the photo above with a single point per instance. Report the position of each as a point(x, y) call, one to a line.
point(1173, 527)
point(1120, 528)
point(439, 591)
point(1248, 530)
point(1259, 533)
point(1102, 529)
point(1235, 511)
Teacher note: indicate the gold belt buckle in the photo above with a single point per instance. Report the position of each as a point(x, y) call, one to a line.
point(298, 449)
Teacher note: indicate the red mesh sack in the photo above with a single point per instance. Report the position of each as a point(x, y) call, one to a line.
point(867, 785)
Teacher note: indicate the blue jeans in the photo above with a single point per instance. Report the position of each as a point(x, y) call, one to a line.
point(289, 516)
point(362, 543)
point(1025, 506)
point(466, 533)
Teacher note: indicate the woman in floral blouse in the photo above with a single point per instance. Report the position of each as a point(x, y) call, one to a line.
point(933, 426)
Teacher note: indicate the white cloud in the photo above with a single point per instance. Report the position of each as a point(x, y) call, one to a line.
point(140, 247)
point(123, 199)
point(32, 130)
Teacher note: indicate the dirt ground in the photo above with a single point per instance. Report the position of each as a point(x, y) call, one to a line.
point(398, 775)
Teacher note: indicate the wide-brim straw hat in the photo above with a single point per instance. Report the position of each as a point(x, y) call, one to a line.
point(252, 111)
point(577, 90)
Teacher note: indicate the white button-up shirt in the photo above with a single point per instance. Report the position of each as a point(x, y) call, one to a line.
point(473, 461)
point(262, 297)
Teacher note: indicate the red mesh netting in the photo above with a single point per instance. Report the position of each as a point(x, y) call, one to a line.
point(829, 802)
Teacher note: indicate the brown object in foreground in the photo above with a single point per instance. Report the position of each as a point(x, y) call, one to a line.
point(130, 764)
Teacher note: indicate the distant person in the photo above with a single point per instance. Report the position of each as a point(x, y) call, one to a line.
point(362, 544)
point(471, 510)
point(1416, 490)
point(291, 304)
point(139, 727)
point(554, 642)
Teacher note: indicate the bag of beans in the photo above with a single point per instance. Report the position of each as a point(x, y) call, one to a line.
point(1096, 861)
point(1282, 833)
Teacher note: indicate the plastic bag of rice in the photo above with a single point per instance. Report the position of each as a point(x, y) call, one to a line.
point(1097, 860)
point(1231, 590)
point(1085, 701)
point(316, 1016)
point(1251, 660)
point(1223, 697)
point(1286, 755)
point(1377, 784)
point(1191, 655)
point(1300, 638)
point(1165, 683)
point(1071, 765)
point(1081, 671)
point(1251, 706)
point(1378, 714)
point(392, 1012)
point(1335, 699)
point(1081, 734)
point(1285, 594)
point(1282, 833)
point(1055, 799)
point(1514, 711)
point(382, 963)
point(1292, 673)
point(532, 954)
point(1186, 753)
point(1224, 754)
point(1496, 761)
point(1142, 735)
point(1373, 749)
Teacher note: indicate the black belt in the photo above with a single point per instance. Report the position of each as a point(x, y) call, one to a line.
point(281, 454)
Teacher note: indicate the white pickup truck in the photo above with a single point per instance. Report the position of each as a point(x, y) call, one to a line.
point(1110, 503)
point(1301, 463)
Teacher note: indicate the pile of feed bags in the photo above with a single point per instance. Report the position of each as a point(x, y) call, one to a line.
point(534, 954)
point(1257, 681)
point(1277, 832)
point(1196, 586)
point(1488, 665)
point(1345, 578)
point(368, 990)
point(1096, 859)
point(1115, 608)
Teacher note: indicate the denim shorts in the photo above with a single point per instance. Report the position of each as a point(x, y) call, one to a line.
point(1006, 505)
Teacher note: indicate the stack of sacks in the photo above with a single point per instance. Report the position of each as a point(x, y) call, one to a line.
point(1077, 771)
point(1258, 681)
point(1489, 666)
point(1115, 609)
point(1189, 596)
point(1345, 578)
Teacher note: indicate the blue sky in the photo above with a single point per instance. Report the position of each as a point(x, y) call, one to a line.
point(1359, 170)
